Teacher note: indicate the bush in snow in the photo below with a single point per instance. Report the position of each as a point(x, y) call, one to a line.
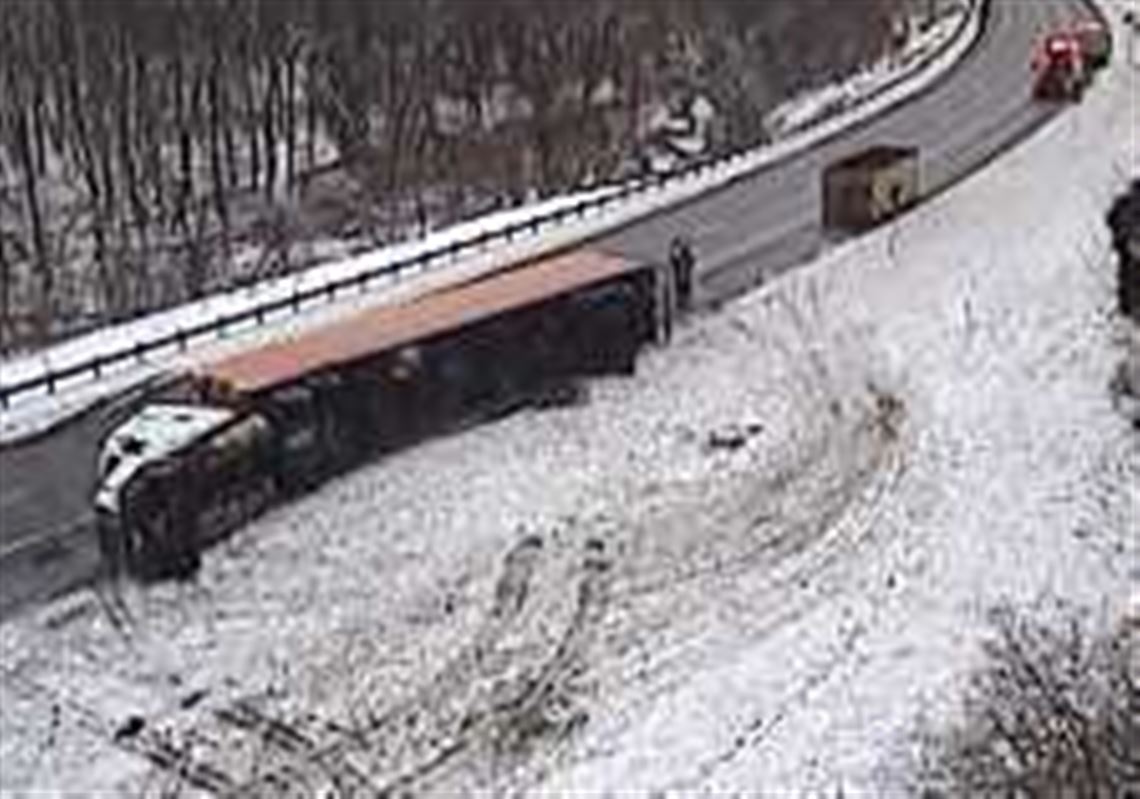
point(1124, 222)
point(1055, 711)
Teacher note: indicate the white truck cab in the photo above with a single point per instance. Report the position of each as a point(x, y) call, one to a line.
point(155, 432)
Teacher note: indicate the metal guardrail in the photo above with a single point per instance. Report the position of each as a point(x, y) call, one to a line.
point(221, 325)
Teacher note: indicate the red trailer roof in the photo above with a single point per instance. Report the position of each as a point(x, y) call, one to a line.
point(387, 327)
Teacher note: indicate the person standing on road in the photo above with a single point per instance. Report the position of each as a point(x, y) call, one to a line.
point(682, 261)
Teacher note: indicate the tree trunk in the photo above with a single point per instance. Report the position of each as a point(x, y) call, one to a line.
point(221, 187)
point(43, 267)
point(185, 148)
point(140, 215)
point(251, 116)
point(312, 108)
point(269, 123)
point(39, 133)
point(291, 118)
point(8, 333)
point(81, 146)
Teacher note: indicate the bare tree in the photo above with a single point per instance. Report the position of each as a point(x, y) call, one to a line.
point(123, 121)
point(1054, 712)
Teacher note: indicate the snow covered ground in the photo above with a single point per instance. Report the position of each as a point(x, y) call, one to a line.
point(754, 566)
point(32, 413)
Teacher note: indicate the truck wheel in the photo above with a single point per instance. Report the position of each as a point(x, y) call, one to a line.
point(144, 551)
point(135, 548)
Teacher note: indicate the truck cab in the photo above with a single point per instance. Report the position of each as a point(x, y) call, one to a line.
point(1060, 71)
point(157, 431)
point(168, 479)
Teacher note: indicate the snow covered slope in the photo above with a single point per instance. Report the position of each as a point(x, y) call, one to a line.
point(751, 567)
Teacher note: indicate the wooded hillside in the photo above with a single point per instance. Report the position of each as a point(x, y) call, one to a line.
point(154, 150)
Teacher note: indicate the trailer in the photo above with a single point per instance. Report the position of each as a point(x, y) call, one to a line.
point(235, 435)
point(1095, 40)
point(869, 187)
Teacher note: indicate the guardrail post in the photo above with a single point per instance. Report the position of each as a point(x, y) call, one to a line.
point(296, 300)
point(180, 334)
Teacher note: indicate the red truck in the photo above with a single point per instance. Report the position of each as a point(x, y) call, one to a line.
point(1060, 69)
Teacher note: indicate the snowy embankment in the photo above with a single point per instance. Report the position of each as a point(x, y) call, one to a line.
point(32, 413)
point(750, 568)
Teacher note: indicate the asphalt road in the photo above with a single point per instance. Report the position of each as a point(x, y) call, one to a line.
point(744, 234)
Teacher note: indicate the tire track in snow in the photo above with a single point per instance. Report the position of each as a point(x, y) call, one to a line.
point(148, 743)
point(521, 710)
point(834, 527)
point(480, 699)
point(297, 758)
point(849, 531)
point(307, 770)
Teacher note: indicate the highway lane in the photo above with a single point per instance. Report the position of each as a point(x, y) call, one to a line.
point(46, 541)
point(745, 233)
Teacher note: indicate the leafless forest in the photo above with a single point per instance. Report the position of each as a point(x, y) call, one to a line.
point(152, 151)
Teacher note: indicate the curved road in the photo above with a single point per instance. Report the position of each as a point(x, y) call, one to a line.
point(745, 233)
point(761, 226)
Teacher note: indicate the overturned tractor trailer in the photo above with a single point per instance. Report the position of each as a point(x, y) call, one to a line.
point(230, 438)
point(869, 187)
